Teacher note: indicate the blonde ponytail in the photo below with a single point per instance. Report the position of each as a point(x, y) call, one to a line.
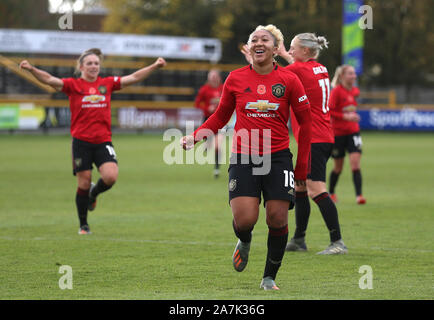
point(312, 42)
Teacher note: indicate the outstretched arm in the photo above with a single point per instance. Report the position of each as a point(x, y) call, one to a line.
point(246, 52)
point(281, 51)
point(217, 120)
point(142, 74)
point(42, 76)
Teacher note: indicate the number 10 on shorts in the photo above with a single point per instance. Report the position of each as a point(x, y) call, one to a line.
point(289, 178)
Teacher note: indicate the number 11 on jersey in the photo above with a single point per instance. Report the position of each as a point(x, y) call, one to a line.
point(325, 87)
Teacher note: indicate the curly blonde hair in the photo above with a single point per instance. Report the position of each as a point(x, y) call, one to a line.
point(273, 30)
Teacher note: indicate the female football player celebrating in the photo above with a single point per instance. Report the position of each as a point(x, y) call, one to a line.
point(89, 102)
point(261, 95)
point(345, 121)
point(304, 51)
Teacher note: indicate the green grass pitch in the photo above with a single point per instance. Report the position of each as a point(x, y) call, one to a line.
point(164, 232)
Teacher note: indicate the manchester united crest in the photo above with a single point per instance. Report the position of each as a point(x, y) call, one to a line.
point(278, 90)
point(102, 89)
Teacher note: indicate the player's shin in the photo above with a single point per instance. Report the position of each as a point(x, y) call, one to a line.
point(333, 181)
point(244, 235)
point(329, 214)
point(100, 187)
point(277, 239)
point(81, 201)
point(357, 180)
point(302, 213)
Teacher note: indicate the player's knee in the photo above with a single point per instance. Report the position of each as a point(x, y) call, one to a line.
point(109, 175)
point(277, 219)
point(337, 169)
point(315, 188)
point(312, 193)
point(110, 179)
point(84, 180)
point(84, 185)
point(245, 222)
point(355, 165)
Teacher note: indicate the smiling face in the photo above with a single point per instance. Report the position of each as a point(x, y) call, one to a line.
point(90, 67)
point(262, 47)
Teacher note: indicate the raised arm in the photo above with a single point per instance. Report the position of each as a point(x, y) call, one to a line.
point(42, 76)
point(281, 51)
point(142, 74)
point(245, 51)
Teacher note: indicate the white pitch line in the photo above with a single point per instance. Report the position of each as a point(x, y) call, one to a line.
point(179, 242)
point(89, 238)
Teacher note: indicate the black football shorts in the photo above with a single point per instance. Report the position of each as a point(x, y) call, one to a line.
point(277, 184)
point(349, 143)
point(84, 154)
point(319, 155)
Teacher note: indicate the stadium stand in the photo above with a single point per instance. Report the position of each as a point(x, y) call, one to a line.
point(173, 87)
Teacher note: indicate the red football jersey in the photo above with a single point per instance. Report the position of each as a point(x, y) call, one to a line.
point(315, 79)
point(343, 100)
point(262, 105)
point(208, 98)
point(89, 103)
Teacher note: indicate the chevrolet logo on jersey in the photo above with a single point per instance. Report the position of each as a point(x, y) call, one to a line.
point(349, 108)
point(95, 98)
point(262, 106)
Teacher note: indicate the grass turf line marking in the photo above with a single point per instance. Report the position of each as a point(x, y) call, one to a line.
point(119, 240)
point(182, 242)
